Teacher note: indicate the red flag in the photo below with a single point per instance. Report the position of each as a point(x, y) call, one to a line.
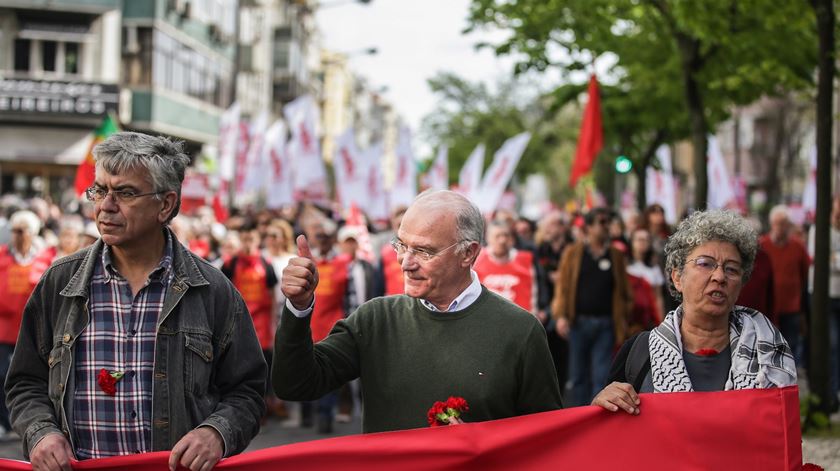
point(591, 138)
point(219, 208)
point(85, 172)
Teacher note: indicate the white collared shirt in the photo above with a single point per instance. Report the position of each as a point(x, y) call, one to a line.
point(461, 302)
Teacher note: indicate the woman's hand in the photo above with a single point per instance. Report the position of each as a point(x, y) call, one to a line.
point(618, 396)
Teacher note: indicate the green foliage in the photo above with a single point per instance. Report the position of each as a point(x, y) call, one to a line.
point(731, 51)
point(812, 417)
point(468, 114)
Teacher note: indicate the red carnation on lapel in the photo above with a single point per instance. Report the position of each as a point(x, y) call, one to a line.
point(108, 380)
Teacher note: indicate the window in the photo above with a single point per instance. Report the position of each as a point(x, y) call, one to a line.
point(22, 48)
point(182, 69)
point(71, 58)
point(49, 49)
point(56, 58)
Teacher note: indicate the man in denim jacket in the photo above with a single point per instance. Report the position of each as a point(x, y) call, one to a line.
point(135, 344)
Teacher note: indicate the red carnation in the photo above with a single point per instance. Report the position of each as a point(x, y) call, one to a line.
point(457, 403)
point(108, 381)
point(441, 412)
point(439, 408)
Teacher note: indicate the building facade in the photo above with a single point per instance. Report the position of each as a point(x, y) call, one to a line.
point(59, 77)
point(177, 66)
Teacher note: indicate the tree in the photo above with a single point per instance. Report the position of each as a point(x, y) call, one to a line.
point(818, 368)
point(714, 53)
point(468, 114)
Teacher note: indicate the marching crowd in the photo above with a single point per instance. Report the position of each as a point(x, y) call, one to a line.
point(595, 283)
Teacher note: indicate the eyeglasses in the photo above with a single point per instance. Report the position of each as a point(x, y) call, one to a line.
point(709, 265)
point(98, 194)
point(18, 230)
point(422, 254)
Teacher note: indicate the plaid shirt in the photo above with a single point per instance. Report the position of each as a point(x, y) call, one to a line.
point(120, 337)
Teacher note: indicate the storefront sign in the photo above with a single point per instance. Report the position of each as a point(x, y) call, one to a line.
point(57, 98)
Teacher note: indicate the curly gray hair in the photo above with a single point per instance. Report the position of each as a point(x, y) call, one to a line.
point(710, 226)
point(163, 158)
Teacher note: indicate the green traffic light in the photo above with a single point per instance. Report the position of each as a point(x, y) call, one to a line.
point(623, 164)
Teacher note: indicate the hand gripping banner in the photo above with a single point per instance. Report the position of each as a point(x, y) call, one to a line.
point(750, 429)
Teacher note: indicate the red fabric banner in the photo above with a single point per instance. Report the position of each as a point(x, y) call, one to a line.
point(591, 138)
point(750, 429)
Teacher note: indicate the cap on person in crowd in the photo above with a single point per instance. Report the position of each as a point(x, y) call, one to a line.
point(349, 232)
point(27, 219)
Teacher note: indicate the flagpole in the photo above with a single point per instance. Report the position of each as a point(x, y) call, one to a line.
point(234, 83)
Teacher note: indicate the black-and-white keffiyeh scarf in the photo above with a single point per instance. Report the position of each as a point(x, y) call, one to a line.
point(760, 356)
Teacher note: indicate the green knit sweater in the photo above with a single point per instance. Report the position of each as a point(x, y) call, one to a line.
point(493, 354)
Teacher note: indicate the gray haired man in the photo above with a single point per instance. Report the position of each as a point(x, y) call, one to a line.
point(447, 336)
point(135, 344)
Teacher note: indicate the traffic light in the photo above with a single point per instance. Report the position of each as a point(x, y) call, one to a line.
point(623, 164)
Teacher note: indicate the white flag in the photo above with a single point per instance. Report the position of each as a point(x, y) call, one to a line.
point(228, 141)
point(275, 152)
point(242, 146)
point(376, 204)
point(469, 180)
point(350, 171)
point(405, 180)
point(809, 196)
point(500, 171)
point(310, 177)
point(660, 185)
point(721, 189)
point(255, 176)
point(437, 177)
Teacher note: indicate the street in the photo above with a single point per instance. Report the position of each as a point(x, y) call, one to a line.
point(272, 434)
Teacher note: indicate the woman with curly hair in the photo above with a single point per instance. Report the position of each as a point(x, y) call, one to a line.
point(707, 343)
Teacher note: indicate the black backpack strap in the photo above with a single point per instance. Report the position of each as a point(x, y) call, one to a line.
point(270, 275)
point(638, 361)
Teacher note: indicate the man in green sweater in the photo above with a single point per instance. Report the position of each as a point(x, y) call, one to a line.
point(447, 336)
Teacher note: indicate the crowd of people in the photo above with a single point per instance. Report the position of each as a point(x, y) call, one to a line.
point(127, 267)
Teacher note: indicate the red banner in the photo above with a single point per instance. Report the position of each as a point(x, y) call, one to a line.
point(739, 430)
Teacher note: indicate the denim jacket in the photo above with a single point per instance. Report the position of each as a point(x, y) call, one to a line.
point(209, 369)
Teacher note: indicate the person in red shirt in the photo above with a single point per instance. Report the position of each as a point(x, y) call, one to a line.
point(255, 279)
point(506, 271)
point(789, 261)
point(389, 267)
point(17, 281)
point(758, 292)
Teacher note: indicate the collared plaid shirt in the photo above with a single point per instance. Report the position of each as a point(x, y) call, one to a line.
point(120, 337)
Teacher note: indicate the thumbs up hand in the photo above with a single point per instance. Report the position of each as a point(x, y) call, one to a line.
point(300, 277)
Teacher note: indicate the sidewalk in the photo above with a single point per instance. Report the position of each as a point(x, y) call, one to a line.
point(819, 450)
point(823, 451)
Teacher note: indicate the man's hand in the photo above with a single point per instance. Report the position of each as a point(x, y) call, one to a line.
point(52, 453)
point(618, 396)
point(198, 450)
point(561, 326)
point(300, 277)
